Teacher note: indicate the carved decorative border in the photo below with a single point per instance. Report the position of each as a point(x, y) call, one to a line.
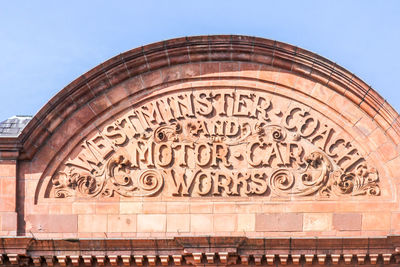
point(200, 251)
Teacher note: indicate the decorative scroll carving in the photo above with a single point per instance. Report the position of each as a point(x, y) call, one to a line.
point(225, 143)
point(319, 177)
point(167, 133)
point(150, 182)
point(116, 178)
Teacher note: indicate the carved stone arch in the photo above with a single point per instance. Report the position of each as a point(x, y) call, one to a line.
point(245, 73)
point(145, 60)
point(193, 88)
point(244, 150)
point(294, 128)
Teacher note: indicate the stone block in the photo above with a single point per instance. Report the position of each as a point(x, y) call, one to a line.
point(279, 222)
point(92, 223)
point(347, 221)
point(246, 222)
point(376, 221)
point(317, 222)
point(154, 208)
point(201, 223)
point(178, 207)
point(121, 223)
point(201, 208)
point(178, 223)
point(107, 208)
point(225, 222)
point(151, 222)
point(8, 169)
point(117, 93)
point(226, 207)
point(209, 69)
point(7, 186)
point(388, 151)
point(395, 221)
point(8, 221)
point(7, 203)
point(46, 223)
point(130, 207)
point(83, 208)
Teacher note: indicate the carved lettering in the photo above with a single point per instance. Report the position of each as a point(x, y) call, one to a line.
point(150, 114)
point(203, 105)
point(217, 144)
point(142, 154)
point(180, 184)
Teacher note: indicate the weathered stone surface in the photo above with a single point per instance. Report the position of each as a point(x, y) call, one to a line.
point(219, 144)
point(347, 222)
point(217, 136)
point(52, 223)
point(282, 222)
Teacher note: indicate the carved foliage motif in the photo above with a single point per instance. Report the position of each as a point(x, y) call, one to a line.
point(116, 178)
point(225, 143)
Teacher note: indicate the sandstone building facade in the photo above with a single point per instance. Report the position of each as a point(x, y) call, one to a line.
point(205, 151)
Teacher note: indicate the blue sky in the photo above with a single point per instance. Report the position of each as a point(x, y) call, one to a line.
point(44, 45)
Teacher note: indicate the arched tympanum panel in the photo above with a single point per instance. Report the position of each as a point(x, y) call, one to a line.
point(217, 142)
point(213, 135)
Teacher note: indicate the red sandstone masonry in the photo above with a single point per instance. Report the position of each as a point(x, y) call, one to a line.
point(347, 221)
point(83, 107)
point(281, 222)
point(8, 222)
point(52, 223)
point(8, 196)
point(156, 209)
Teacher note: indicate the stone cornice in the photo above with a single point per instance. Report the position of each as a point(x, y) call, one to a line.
point(199, 251)
point(9, 148)
point(202, 49)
